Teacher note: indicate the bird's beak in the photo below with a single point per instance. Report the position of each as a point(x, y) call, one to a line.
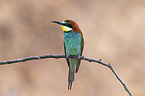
point(57, 22)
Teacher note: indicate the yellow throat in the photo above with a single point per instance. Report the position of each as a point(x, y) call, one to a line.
point(65, 28)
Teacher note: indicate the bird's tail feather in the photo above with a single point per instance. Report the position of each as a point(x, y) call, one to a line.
point(71, 78)
point(78, 65)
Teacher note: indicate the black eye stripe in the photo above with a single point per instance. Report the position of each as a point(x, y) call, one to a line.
point(68, 25)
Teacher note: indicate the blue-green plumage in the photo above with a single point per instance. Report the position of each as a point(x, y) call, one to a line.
point(72, 42)
point(73, 47)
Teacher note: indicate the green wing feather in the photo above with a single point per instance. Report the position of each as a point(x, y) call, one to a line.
point(82, 47)
point(67, 59)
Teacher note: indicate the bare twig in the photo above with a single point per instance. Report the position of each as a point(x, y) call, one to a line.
point(63, 56)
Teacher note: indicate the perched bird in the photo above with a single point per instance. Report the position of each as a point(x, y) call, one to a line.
point(73, 46)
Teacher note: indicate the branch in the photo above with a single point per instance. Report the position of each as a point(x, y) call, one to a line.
point(63, 56)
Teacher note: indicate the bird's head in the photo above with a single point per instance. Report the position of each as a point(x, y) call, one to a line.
point(69, 25)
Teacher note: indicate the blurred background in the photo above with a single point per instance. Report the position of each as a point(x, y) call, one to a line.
point(113, 31)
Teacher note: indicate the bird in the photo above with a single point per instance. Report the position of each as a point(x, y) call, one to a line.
point(73, 46)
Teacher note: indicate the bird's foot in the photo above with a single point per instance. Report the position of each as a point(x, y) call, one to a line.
point(79, 57)
point(67, 56)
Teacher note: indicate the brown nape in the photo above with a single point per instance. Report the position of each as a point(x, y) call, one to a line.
point(75, 26)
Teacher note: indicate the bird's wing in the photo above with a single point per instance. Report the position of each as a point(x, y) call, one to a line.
point(82, 46)
point(67, 59)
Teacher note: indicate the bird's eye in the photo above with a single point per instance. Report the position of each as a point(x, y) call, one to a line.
point(68, 25)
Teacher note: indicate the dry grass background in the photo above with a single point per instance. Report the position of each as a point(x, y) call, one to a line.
point(113, 30)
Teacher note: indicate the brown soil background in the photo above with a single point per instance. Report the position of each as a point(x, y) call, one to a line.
point(114, 30)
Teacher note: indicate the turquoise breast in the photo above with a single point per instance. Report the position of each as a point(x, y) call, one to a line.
point(72, 41)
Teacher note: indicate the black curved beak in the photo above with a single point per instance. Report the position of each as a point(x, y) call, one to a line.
point(64, 24)
point(57, 22)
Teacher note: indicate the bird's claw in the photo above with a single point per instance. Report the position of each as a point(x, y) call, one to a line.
point(79, 57)
point(67, 56)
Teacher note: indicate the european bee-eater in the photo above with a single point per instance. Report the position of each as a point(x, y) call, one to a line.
point(73, 46)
